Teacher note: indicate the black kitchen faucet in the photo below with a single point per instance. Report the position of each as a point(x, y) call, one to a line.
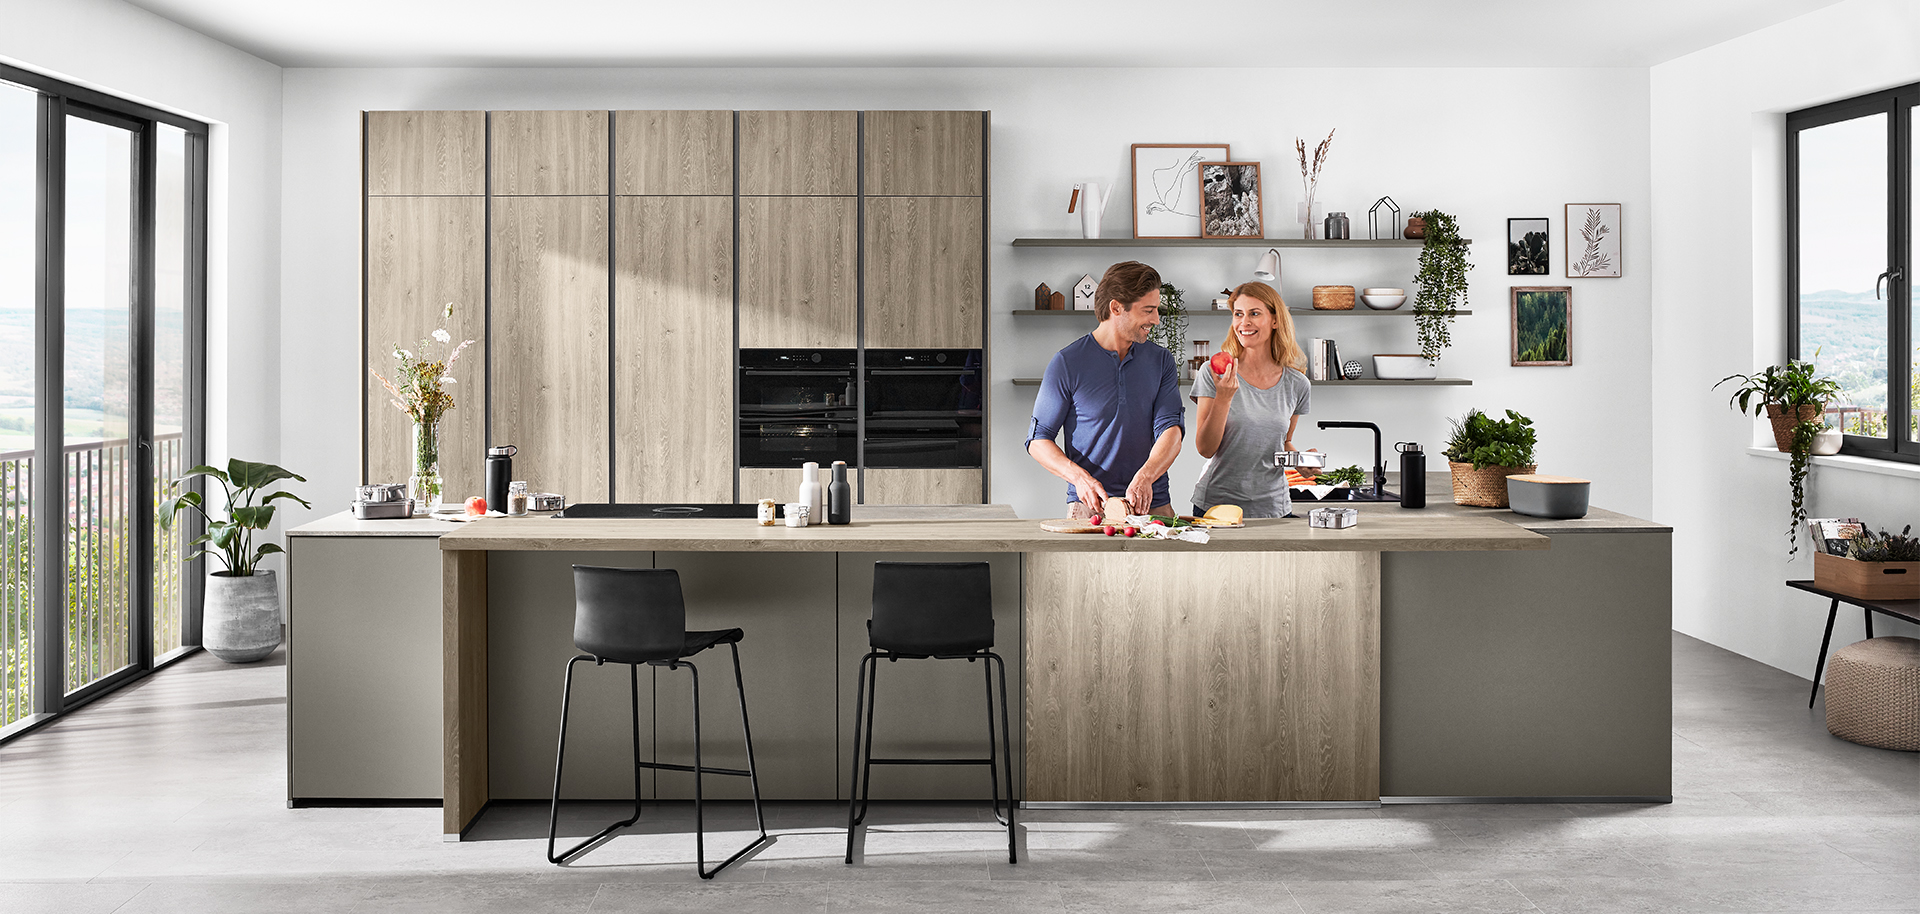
point(1379, 491)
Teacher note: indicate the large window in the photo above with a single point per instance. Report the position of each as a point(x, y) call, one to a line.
point(1850, 171)
point(102, 267)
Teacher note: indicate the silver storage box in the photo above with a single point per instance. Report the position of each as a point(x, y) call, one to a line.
point(383, 510)
point(546, 501)
point(1333, 518)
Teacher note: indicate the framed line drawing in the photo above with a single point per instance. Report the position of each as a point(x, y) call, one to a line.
point(1230, 200)
point(1541, 318)
point(1527, 247)
point(1595, 254)
point(1166, 187)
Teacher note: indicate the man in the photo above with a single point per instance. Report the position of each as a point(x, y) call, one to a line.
point(1118, 398)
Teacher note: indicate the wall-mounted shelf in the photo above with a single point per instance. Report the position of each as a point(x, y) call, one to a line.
point(1217, 243)
point(1356, 312)
point(1361, 382)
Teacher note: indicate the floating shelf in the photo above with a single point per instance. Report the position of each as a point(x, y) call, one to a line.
point(1218, 243)
point(1356, 312)
point(1361, 382)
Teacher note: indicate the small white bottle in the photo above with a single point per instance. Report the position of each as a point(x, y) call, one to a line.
point(812, 494)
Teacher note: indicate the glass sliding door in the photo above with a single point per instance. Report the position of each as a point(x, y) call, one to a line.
point(171, 250)
point(19, 367)
point(97, 397)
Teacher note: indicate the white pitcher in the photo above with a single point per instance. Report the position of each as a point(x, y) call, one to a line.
point(1091, 203)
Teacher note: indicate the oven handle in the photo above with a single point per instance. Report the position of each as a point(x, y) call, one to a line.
point(908, 372)
point(803, 372)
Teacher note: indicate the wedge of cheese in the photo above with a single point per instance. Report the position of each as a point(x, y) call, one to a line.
point(1223, 515)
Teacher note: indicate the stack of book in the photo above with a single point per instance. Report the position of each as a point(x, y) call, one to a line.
point(1323, 360)
point(1832, 534)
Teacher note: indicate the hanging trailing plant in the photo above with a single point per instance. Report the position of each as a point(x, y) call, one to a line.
point(1798, 465)
point(1442, 280)
point(1171, 333)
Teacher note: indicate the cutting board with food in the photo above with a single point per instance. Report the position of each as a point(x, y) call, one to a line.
point(1218, 517)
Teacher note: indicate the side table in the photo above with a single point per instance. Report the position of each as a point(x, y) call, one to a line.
point(1908, 610)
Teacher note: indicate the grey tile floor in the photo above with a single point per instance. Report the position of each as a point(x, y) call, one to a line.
point(170, 797)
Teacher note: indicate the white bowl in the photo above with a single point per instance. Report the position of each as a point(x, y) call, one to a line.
point(1398, 367)
point(1384, 299)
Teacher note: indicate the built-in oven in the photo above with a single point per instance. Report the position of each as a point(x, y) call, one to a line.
point(923, 408)
point(796, 406)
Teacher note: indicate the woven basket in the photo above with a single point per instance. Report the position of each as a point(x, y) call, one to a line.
point(1783, 422)
point(1486, 487)
point(1333, 298)
point(1873, 693)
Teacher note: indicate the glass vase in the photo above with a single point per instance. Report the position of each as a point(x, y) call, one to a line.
point(424, 485)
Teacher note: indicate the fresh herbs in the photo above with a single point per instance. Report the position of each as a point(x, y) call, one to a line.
point(1442, 280)
point(1484, 441)
point(1791, 385)
point(1884, 546)
point(1350, 475)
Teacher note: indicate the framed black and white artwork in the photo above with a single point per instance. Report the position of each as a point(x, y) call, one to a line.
point(1230, 200)
point(1593, 240)
point(1527, 247)
point(1166, 187)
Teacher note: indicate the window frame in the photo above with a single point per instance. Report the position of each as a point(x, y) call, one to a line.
point(1897, 104)
point(57, 101)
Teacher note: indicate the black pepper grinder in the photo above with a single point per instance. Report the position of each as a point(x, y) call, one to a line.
point(839, 496)
point(499, 473)
point(1413, 474)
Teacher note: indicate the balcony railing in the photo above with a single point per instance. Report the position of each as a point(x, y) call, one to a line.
point(100, 565)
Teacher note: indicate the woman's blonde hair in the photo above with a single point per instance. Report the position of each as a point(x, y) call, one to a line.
point(1285, 349)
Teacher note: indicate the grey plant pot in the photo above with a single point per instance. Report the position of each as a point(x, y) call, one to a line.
point(241, 623)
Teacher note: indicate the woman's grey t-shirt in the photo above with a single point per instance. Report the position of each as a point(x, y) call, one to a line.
point(1242, 471)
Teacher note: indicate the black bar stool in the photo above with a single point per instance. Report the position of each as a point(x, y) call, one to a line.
point(636, 616)
point(942, 611)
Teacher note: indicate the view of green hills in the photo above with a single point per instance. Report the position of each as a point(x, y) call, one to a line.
point(96, 376)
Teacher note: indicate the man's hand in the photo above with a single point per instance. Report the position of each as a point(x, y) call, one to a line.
point(1091, 494)
point(1140, 493)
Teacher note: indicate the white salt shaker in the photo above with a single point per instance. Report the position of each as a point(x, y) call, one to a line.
point(797, 514)
point(812, 494)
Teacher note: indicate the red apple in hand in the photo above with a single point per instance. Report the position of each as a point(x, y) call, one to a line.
point(476, 506)
point(1220, 362)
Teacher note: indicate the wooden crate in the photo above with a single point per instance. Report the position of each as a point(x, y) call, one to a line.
point(1867, 580)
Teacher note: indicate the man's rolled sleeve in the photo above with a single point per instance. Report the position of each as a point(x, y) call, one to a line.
point(1051, 406)
point(1168, 411)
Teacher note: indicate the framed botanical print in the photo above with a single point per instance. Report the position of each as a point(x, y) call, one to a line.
point(1166, 187)
point(1593, 241)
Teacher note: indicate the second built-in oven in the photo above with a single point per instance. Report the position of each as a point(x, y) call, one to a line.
point(797, 406)
point(923, 408)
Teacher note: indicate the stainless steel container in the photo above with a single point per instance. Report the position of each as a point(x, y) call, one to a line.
point(383, 510)
point(1299, 459)
point(380, 493)
point(546, 501)
point(1333, 518)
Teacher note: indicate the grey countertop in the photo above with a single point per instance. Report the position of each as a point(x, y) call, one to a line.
point(344, 524)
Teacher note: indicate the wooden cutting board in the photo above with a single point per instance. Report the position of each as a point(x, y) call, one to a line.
point(1068, 525)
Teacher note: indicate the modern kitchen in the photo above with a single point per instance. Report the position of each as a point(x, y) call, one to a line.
point(680, 460)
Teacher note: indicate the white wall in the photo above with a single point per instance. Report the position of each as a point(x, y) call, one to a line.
point(1483, 144)
point(1718, 159)
point(116, 48)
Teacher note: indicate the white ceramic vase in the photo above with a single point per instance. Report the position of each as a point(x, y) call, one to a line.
point(241, 623)
point(1827, 441)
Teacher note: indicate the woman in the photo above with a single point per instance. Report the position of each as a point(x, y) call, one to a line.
point(1251, 407)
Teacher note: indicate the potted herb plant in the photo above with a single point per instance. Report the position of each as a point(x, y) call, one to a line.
point(1483, 451)
point(1793, 398)
point(1442, 280)
point(241, 621)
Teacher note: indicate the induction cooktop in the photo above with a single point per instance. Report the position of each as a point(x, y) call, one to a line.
point(667, 511)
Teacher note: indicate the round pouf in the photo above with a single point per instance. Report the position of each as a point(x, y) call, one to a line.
point(242, 619)
point(1873, 693)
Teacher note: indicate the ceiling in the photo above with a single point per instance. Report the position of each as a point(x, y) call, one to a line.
point(983, 33)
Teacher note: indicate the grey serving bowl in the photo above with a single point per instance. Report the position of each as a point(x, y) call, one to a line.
point(1555, 497)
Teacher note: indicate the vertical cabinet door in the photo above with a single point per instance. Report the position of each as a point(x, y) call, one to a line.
point(797, 272)
point(549, 153)
point(673, 346)
point(549, 361)
point(422, 253)
point(426, 153)
point(924, 261)
point(659, 153)
point(924, 153)
point(921, 487)
point(799, 153)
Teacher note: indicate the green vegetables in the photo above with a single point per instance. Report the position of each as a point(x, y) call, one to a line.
point(1349, 475)
point(1484, 441)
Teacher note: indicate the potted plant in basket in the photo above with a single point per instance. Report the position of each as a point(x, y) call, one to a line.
point(1442, 280)
point(1882, 566)
point(241, 621)
point(1483, 451)
point(1793, 399)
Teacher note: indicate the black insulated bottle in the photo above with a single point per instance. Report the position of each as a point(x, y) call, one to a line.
point(1413, 475)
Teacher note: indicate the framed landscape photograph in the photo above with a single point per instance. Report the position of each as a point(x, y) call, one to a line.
point(1527, 247)
point(1542, 321)
point(1593, 241)
point(1230, 200)
point(1166, 187)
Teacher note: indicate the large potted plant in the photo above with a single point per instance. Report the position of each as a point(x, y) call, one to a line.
point(1793, 399)
point(241, 621)
point(1483, 451)
point(1442, 280)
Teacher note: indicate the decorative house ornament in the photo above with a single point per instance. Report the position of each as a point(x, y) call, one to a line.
point(1593, 240)
point(1083, 292)
point(1392, 227)
point(1042, 297)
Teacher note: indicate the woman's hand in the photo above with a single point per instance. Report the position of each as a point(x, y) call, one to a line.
point(1227, 382)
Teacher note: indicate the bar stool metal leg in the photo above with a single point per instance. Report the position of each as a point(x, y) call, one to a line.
point(862, 764)
point(1006, 740)
point(559, 761)
point(700, 770)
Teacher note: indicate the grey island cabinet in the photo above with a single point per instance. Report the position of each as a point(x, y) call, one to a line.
point(1448, 654)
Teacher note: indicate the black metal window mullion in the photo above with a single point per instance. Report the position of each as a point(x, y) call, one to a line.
point(49, 478)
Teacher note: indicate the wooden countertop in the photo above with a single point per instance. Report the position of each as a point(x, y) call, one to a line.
point(1409, 532)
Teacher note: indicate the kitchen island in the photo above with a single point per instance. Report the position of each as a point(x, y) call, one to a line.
point(1445, 653)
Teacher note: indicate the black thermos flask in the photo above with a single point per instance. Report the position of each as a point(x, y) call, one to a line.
point(499, 473)
point(1413, 475)
point(839, 496)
